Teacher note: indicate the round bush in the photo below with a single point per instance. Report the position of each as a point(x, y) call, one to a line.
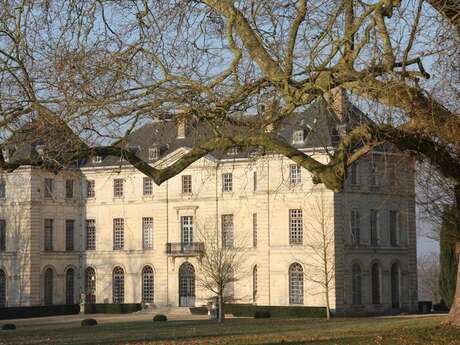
point(88, 322)
point(262, 314)
point(8, 326)
point(160, 317)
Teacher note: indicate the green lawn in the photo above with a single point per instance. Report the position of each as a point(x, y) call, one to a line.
point(407, 331)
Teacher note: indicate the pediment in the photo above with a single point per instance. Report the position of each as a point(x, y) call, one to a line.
point(174, 156)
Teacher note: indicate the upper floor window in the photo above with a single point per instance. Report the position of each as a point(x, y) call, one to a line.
point(187, 184)
point(118, 187)
point(227, 230)
point(118, 233)
point(254, 230)
point(90, 234)
point(147, 186)
point(298, 137)
point(295, 226)
point(48, 236)
point(90, 188)
point(69, 234)
point(227, 182)
point(97, 159)
point(154, 153)
point(394, 228)
point(374, 227)
point(147, 233)
point(2, 289)
point(2, 235)
point(69, 184)
point(186, 224)
point(373, 174)
point(118, 285)
point(376, 283)
point(294, 174)
point(2, 189)
point(49, 188)
point(355, 227)
point(233, 151)
point(254, 181)
point(354, 174)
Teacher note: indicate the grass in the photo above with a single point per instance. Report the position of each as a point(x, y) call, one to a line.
point(375, 331)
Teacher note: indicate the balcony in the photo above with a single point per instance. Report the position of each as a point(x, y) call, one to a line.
point(185, 249)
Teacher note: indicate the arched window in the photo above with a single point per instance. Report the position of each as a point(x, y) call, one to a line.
point(147, 285)
point(376, 283)
point(356, 285)
point(395, 285)
point(2, 289)
point(48, 286)
point(295, 284)
point(90, 286)
point(118, 285)
point(254, 284)
point(70, 286)
point(186, 285)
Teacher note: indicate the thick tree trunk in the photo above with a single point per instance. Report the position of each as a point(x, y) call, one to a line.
point(454, 314)
point(221, 308)
point(328, 305)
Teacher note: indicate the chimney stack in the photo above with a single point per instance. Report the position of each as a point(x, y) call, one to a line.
point(180, 124)
point(337, 101)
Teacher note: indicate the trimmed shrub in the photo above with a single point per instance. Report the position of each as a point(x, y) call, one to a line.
point(8, 326)
point(88, 322)
point(262, 314)
point(38, 311)
point(108, 308)
point(248, 310)
point(160, 318)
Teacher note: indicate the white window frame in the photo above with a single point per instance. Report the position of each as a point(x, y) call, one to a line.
point(397, 239)
point(227, 182)
point(298, 137)
point(354, 174)
point(48, 234)
point(147, 186)
point(295, 174)
point(154, 153)
point(118, 234)
point(147, 233)
point(69, 234)
point(296, 226)
point(186, 184)
point(254, 230)
point(90, 188)
point(227, 230)
point(186, 224)
point(48, 191)
point(373, 174)
point(355, 226)
point(374, 227)
point(97, 159)
point(118, 187)
point(90, 234)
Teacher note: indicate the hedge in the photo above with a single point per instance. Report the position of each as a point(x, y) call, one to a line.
point(106, 308)
point(38, 311)
point(248, 310)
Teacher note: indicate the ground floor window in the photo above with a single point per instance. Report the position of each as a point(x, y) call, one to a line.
point(376, 283)
point(70, 286)
point(295, 284)
point(48, 286)
point(2, 289)
point(186, 285)
point(356, 284)
point(90, 286)
point(147, 284)
point(118, 285)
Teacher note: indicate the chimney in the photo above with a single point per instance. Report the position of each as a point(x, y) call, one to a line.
point(180, 124)
point(337, 101)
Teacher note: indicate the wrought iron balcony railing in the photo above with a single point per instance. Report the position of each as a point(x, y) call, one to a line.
point(185, 248)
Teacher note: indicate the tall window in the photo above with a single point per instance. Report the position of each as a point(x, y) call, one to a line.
point(48, 286)
point(147, 186)
point(147, 232)
point(394, 228)
point(69, 184)
point(118, 187)
point(49, 186)
point(147, 284)
point(376, 283)
point(355, 227)
point(373, 174)
point(395, 286)
point(295, 284)
point(90, 234)
point(69, 234)
point(295, 226)
point(2, 235)
point(187, 184)
point(48, 234)
point(354, 174)
point(254, 284)
point(2, 289)
point(118, 285)
point(295, 176)
point(227, 230)
point(90, 188)
point(70, 286)
point(254, 181)
point(356, 285)
point(254, 230)
point(2, 189)
point(186, 223)
point(90, 286)
point(118, 233)
point(227, 182)
point(374, 227)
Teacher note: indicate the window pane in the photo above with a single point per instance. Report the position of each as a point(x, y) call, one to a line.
point(186, 184)
point(147, 186)
point(147, 232)
point(295, 226)
point(294, 174)
point(69, 234)
point(70, 286)
point(295, 284)
point(118, 233)
point(227, 230)
point(48, 188)
point(48, 234)
point(90, 234)
point(187, 229)
point(254, 230)
point(90, 286)
point(118, 187)
point(227, 182)
point(90, 189)
point(118, 285)
point(147, 285)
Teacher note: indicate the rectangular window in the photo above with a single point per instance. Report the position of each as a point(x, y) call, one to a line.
point(97, 159)
point(118, 233)
point(49, 186)
point(354, 178)
point(187, 184)
point(154, 153)
point(227, 182)
point(147, 232)
point(69, 234)
point(2, 235)
point(147, 186)
point(227, 230)
point(394, 228)
point(374, 226)
point(69, 189)
point(90, 188)
point(294, 174)
point(373, 174)
point(2, 189)
point(91, 234)
point(186, 223)
point(254, 230)
point(118, 187)
point(48, 234)
point(355, 227)
point(254, 181)
point(295, 226)
point(298, 137)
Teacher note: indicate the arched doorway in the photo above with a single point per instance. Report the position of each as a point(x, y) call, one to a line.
point(186, 285)
point(147, 285)
point(395, 286)
point(48, 286)
point(118, 285)
point(90, 286)
point(70, 286)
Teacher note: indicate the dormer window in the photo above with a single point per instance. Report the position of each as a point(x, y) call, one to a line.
point(181, 129)
point(97, 159)
point(40, 149)
point(6, 155)
point(154, 153)
point(298, 137)
point(233, 151)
